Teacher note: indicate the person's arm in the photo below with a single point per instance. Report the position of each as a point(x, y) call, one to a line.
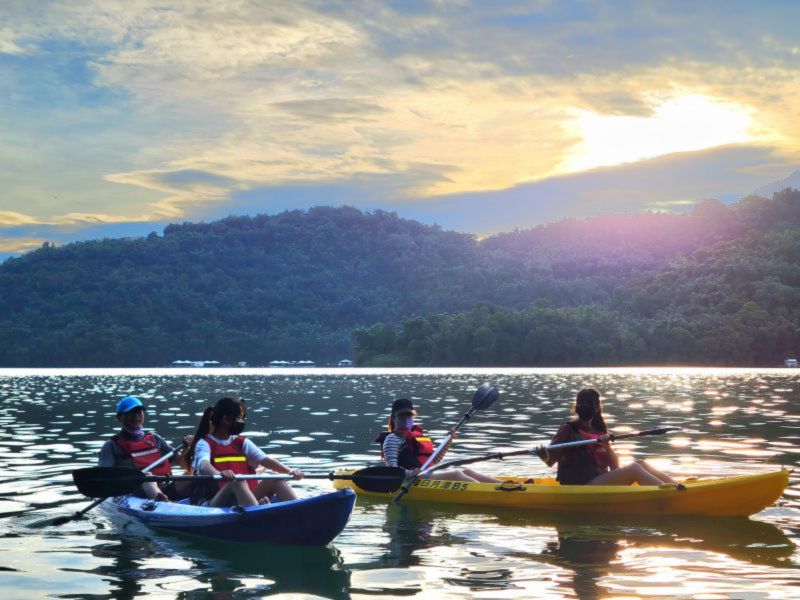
point(441, 454)
point(391, 450)
point(392, 446)
point(257, 456)
point(563, 435)
point(163, 445)
point(107, 457)
point(202, 459)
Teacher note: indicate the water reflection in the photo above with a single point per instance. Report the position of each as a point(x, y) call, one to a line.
point(731, 421)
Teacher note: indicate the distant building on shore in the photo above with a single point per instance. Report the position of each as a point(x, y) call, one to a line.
point(345, 362)
point(790, 362)
point(291, 363)
point(195, 363)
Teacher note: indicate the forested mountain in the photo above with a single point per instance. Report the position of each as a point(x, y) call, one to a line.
point(735, 302)
point(295, 285)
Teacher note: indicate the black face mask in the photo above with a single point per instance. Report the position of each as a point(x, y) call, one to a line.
point(585, 411)
point(237, 427)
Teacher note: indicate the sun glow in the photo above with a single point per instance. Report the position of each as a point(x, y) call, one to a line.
point(680, 124)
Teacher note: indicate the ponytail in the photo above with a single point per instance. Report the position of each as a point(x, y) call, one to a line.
point(203, 429)
point(599, 423)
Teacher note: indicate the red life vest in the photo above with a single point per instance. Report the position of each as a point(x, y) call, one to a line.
point(143, 453)
point(230, 457)
point(597, 451)
point(417, 450)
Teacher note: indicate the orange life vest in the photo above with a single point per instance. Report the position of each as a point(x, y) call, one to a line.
point(143, 453)
point(417, 449)
point(230, 457)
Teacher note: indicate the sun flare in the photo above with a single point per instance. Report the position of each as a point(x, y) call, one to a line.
point(680, 124)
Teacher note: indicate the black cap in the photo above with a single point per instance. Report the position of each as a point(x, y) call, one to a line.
point(401, 405)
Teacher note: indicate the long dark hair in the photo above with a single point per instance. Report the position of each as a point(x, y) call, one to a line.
point(592, 396)
point(226, 406)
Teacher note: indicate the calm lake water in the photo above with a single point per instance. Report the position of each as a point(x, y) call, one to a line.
point(731, 422)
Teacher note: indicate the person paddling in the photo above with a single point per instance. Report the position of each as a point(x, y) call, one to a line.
point(219, 449)
point(595, 464)
point(133, 446)
point(406, 445)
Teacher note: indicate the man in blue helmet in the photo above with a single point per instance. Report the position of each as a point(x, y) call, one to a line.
point(134, 447)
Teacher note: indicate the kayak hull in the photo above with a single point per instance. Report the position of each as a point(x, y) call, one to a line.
point(314, 521)
point(737, 496)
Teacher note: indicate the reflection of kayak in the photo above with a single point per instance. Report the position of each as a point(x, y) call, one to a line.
point(314, 521)
point(751, 540)
point(736, 496)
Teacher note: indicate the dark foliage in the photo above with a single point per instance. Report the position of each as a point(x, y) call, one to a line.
point(295, 285)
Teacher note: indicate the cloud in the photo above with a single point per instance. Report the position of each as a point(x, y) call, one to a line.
point(10, 246)
point(7, 43)
point(114, 111)
point(13, 219)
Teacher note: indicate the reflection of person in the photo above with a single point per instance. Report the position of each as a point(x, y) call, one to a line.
point(595, 464)
point(589, 559)
point(133, 447)
point(406, 445)
point(223, 451)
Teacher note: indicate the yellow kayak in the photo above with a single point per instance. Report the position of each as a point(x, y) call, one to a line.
point(736, 496)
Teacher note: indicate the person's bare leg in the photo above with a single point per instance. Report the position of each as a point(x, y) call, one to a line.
point(653, 471)
point(480, 476)
point(282, 490)
point(627, 475)
point(454, 475)
point(234, 489)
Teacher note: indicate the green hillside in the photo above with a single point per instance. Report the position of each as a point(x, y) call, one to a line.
point(295, 286)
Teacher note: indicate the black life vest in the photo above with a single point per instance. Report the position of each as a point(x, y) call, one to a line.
point(417, 449)
point(580, 464)
point(142, 453)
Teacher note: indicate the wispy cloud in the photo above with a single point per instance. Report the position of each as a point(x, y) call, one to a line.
point(114, 111)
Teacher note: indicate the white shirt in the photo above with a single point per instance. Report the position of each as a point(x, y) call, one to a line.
point(202, 451)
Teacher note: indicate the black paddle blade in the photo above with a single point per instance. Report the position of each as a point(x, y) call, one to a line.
point(381, 480)
point(485, 396)
point(102, 482)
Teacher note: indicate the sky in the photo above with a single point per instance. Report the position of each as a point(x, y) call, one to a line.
point(118, 117)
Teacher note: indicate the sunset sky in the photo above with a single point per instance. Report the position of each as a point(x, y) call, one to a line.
point(118, 117)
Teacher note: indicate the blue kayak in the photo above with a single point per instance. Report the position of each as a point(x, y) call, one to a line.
point(313, 521)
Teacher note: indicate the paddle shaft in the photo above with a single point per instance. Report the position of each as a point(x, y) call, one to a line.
point(502, 455)
point(101, 482)
point(166, 478)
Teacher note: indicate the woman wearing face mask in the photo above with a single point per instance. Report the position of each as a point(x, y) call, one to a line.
point(219, 449)
point(595, 464)
point(406, 445)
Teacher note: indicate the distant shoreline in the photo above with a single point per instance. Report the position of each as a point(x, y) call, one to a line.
point(317, 371)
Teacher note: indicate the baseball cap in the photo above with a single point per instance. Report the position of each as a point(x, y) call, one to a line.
point(128, 403)
point(402, 405)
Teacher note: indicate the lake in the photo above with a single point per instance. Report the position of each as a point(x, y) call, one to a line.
point(732, 422)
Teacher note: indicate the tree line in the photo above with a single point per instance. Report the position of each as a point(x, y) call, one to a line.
point(716, 284)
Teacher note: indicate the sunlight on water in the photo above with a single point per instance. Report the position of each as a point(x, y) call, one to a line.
point(731, 421)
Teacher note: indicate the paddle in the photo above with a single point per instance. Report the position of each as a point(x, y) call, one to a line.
point(98, 482)
point(483, 398)
point(502, 455)
point(79, 514)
